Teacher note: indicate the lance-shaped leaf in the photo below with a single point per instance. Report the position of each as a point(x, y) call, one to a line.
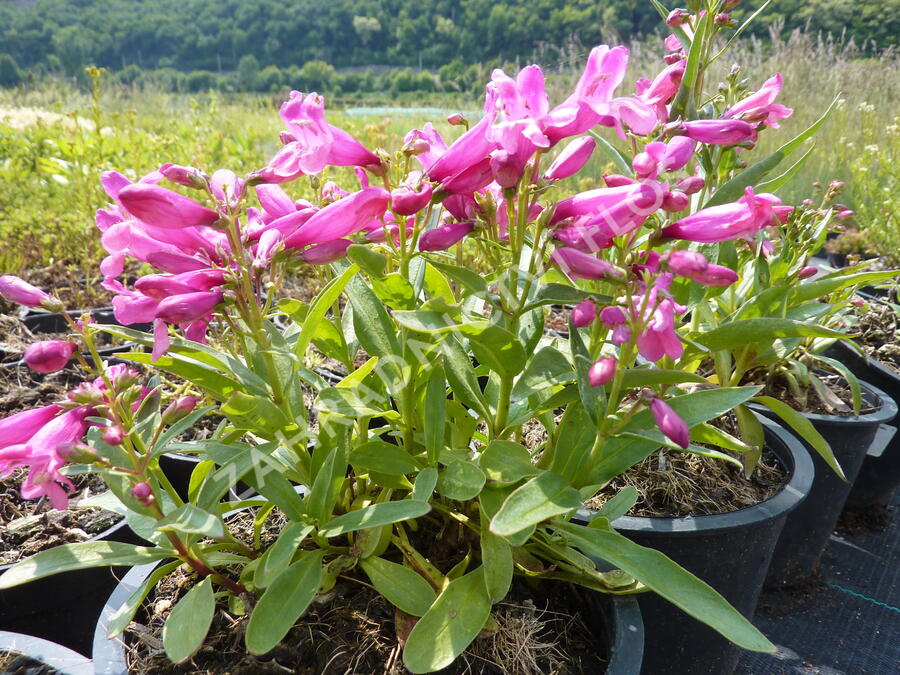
point(542, 497)
point(400, 586)
point(375, 515)
point(189, 622)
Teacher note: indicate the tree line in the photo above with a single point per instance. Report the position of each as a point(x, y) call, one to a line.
point(260, 46)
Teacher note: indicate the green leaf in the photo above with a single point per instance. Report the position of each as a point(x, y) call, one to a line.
point(209, 379)
point(400, 586)
point(255, 413)
point(120, 619)
point(473, 282)
point(496, 348)
point(542, 497)
point(344, 401)
point(620, 504)
point(548, 367)
point(576, 434)
point(667, 578)
point(622, 163)
point(284, 601)
point(461, 376)
point(460, 480)
point(648, 377)
point(374, 329)
point(711, 435)
point(278, 556)
point(852, 380)
point(70, 557)
point(375, 515)
point(189, 622)
point(383, 457)
point(329, 477)
point(425, 483)
point(497, 559)
point(395, 291)
point(435, 414)
point(780, 181)
point(506, 462)
point(189, 519)
point(367, 258)
point(450, 625)
point(760, 331)
point(804, 429)
point(812, 290)
point(320, 305)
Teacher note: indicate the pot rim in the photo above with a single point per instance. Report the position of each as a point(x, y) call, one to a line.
point(63, 659)
point(802, 471)
point(886, 411)
point(880, 367)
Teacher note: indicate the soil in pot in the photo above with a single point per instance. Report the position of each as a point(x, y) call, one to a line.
point(545, 628)
point(12, 663)
point(22, 388)
point(719, 525)
point(876, 331)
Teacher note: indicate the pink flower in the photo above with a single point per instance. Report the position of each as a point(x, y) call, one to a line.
point(760, 106)
point(690, 185)
point(584, 313)
point(612, 316)
point(675, 201)
point(48, 356)
point(114, 435)
point(572, 159)
point(326, 252)
point(20, 291)
point(743, 218)
point(164, 208)
point(720, 132)
point(188, 306)
point(579, 265)
point(670, 424)
point(179, 408)
point(313, 143)
point(658, 93)
point(471, 148)
point(341, 218)
point(807, 272)
point(444, 236)
point(676, 18)
point(426, 144)
point(659, 338)
point(693, 265)
point(274, 200)
point(602, 372)
point(17, 429)
point(143, 493)
point(672, 43)
point(472, 178)
point(183, 175)
point(506, 169)
point(405, 200)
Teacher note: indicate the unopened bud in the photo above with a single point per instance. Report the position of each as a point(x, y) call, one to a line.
point(180, 408)
point(183, 175)
point(858, 302)
point(677, 17)
point(807, 272)
point(617, 180)
point(458, 120)
point(602, 372)
point(673, 58)
point(675, 201)
point(76, 453)
point(690, 185)
point(844, 215)
point(416, 147)
point(114, 435)
point(722, 18)
point(143, 493)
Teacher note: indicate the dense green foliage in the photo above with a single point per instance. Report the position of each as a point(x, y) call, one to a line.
point(269, 44)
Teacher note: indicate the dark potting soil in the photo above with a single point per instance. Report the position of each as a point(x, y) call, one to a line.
point(872, 518)
point(876, 326)
point(673, 484)
point(557, 319)
point(23, 389)
point(75, 287)
point(28, 526)
point(12, 663)
point(837, 398)
point(353, 629)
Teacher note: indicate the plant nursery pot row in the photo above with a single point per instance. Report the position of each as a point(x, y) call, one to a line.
point(34, 655)
point(730, 551)
point(879, 475)
point(809, 526)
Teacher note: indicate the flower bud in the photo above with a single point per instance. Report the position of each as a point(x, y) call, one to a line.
point(183, 175)
point(612, 316)
point(406, 201)
point(730, 4)
point(458, 120)
point(444, 236)
point(602, 372)
point(672, 43)
point(584, 313)
point(675, 201)
point(21, 292)
point(858, 302)
point(506, 168)
point(326, 252)
point(114, 435)
point(572, 159)
point(143, 493)
point(178, 409)
point(673, 58)
point(617, 180)
point(670, 424)
point(807, 272)
point(690, 185)
point(687, 263)
point(188, 306)
point(677, 17)
point(76, 453)
point(49, 356)
point(417, 146)
point(720, 132)
point(722, 18)
point(843, 215)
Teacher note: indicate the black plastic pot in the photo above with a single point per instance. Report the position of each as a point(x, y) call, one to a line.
point(618, 619)
point(50, 322)
point(880, 471)
point(65, 661)
point(63, 607)
point(807, 529)
point(729, 551)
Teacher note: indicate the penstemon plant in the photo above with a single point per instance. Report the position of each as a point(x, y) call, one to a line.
point(445, 366)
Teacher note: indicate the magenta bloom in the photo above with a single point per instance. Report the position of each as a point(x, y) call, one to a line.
point(807, 272)
point(690, 185)
point(743, 218)
point(471, 148)
point(426, 144)
point(188, 306)
point(659, 338)
point(602, 372)
point(182, 175)
point(312, 143)
point(17, 429)
point(444, 236)
point(472, 178)
point(163, 208)
point(48, 356)
point(670, 424)
point(660, 157)
point(720, 132)
point(579, 265)
point(675, 201)
point(326, 252)
point(21, 292)
point(695, 266)
point(571, 160)
point(180, 408)
point(341, 218)
point(641, 199)
point(274, 201)
point(406, 201)
point(760, 106)
point(584, 313)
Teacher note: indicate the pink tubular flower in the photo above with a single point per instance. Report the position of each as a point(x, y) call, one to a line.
point(312, 143)
point(672, 43)
point(183, 175)
point(687, 263)
point(743, 218)
point(807, 272)
point(579, 265)
point(584, 313)
point(21, 292)
point(426, 144)
point(274, 201)
point(602, 372)
point(690, 185)
point(326, 252)
point(17, 429)
point(188, 306)
point(675, 201)
point(720, 132)
point(163, 208)
point(48, 356)
point(571, 160)
point(341, 218)
point(470, 179)
point(405, 200)
point(670, 424)
point(471, 148)
point(760, 106)
point(444, 236)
